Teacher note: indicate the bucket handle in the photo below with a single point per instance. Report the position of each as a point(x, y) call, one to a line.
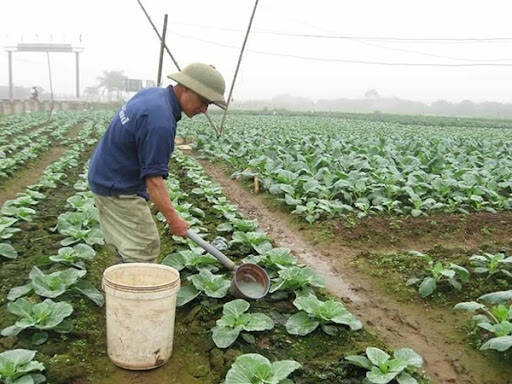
point(210, 249)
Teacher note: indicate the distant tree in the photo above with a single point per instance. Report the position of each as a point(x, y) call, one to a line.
point(112, 81)
point(92, 93)
point(442, 107)
point(372, 94)
point(494, 109)
point(466, 108)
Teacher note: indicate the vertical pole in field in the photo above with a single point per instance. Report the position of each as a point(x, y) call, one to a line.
point(158, 34)
point(161, 58)
point(77, 76)
point(51, 84)
point(237, 67)
point(10, 76)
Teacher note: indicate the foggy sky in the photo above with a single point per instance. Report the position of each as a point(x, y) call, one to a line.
point(415, 50)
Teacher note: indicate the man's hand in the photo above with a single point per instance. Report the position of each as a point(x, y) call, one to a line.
point(160, 196)
point(178, 226)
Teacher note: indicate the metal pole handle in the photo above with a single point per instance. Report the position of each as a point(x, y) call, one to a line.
point(210, 249)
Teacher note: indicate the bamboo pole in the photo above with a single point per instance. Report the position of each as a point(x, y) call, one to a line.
point(161, 58)
point(238, 66)
point(160, 37)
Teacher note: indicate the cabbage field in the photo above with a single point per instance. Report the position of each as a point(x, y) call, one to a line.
point(387, 240)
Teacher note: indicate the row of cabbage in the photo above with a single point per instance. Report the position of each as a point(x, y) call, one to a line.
point(331, 166)
point(56, 278)
point(26, 137)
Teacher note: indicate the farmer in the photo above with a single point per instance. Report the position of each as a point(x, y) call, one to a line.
point(130, 163)
point(34, 93)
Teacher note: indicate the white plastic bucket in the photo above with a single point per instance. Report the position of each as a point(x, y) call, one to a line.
point(140, 301)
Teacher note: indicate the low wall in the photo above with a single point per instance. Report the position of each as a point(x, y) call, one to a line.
point(8, 107)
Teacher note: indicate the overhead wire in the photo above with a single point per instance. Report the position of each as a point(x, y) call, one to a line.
point(348, 37)
point(384, 63)
point(367, 40)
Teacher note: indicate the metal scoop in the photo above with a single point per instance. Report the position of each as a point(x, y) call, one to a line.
point(250, 281)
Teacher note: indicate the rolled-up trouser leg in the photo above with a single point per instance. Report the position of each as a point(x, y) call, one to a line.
point(128, 225)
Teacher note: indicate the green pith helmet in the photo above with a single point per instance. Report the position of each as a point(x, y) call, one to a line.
point(204, 80)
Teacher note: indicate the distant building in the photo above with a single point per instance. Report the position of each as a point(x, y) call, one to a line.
point(18, 93)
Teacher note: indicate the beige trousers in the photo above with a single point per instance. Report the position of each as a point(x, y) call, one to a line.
point(128, 226)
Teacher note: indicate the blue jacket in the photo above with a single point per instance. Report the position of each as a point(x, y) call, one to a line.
point(138, 142)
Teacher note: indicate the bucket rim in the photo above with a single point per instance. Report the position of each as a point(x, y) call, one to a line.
point(112, 283)
point(143, 265)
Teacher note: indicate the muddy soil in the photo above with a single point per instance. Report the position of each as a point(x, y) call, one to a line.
point(433, 331)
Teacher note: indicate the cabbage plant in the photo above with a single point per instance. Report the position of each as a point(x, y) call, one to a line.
point(191, 260)
point(10, 208)
point(74, 256)
point(314, 313)
point(56, 285)
point(491, 264)
point(498, 297)
point(90, 236)
point(6, 227)
point(256, 240)
point(235, 319)
point(496, 320)
point(275, 258)
point(49, 179)
point(437, 273)
point(8, 251)
point(6, 232)
point(83, 202)
point(43, 316)
point(382, 368)
point(223, 207)
point(237, 224)
point(252, 368)
point(297, 278)
point(215, 286)
point(18, 366)
point(80, 226)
